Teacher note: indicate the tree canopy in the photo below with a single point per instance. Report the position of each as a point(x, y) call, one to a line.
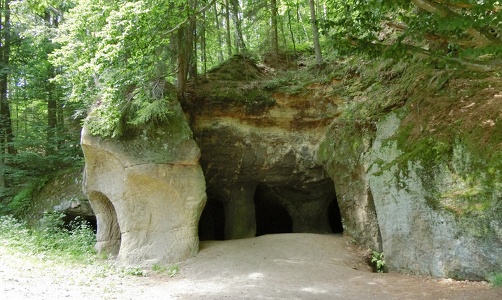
point(125, 60)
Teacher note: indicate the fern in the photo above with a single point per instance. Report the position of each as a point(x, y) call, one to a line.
point(157, 111)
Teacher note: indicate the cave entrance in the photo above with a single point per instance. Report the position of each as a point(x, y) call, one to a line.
point(212, 221)
point(68, 219)
point(307, 209)
point(280, 209)
point(271, 216)
point(334, 216)
point(108, 235)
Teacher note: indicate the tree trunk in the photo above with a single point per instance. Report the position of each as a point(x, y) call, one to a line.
point(192, 43)
point(218, 33)
point(228, 35)
point(275, 36)
point(291, 31)
point(299, 19)
point(239, 38)
point(6, 133)
point(52, 102)
point(203, 44)
point(315, 33)
point(183, 57)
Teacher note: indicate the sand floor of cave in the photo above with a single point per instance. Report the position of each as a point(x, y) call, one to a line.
point(279, 266)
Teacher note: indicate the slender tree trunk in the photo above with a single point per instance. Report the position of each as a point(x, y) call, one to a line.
point(203, 44)
point(52, 120)
point(192, 43)
point(275, 36)
point(218, 32)
point(299, 19)
point(315, 33)
point(282, 31)
point(6, 132)
point(183, 57)
point(228, 35)
point(239, 38)
point(291, 31)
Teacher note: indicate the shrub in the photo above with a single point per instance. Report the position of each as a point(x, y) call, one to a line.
point(51, 238)
point(495, 279)
point(378, 261)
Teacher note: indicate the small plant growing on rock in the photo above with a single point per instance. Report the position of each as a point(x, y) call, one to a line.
point(378, 261)
point(158, 268)
point(173, 271)
point(495, 279)
point(135, 272)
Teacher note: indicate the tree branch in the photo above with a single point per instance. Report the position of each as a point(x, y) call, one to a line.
point(482, 36)
point(473, 65)
point(202, 10)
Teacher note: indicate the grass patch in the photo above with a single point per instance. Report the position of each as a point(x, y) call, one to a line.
point(495, 279)
point(51, 239)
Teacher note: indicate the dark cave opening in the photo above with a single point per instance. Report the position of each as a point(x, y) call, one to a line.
point(334, 216)
point(70, 219)
point(273, 213)
point(271, 217)
point(212, 221)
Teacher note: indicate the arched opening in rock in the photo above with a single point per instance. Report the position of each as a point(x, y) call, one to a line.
point(311, 208)
point(212, 221)
point(335, 218)
point(271, 216)
point(108, 236)
point(91, 221)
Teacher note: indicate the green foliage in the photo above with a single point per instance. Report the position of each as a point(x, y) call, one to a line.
point(374, 87)
point(23, 200)
point(495, 279)
point(378, 261)
point(173, 271)
point(158, 268)
point(51, 239)
point(437, 29)
point(134, 272)
point(120, 63)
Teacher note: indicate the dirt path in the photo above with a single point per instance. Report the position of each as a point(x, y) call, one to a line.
point(287, 266)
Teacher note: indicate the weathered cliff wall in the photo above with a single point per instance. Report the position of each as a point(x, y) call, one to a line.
point(416, 204)
point(147, 191)
point(429, 173)
point(411, 156)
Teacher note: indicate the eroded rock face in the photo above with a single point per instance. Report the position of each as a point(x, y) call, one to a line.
point(410, 210)
point(423, 231)
point(147, 191)
point(261, 168)
point(342, 154)
point(63, 194)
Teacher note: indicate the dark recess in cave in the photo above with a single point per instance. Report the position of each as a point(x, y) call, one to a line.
point(335, 219)
point(90, 220)
point(212, 221)
point(271, 216)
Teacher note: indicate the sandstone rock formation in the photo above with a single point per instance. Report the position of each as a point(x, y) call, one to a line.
point(279, 162)
point(422, 229)
point(63, 194)
point(260, 163)
point(147, 191)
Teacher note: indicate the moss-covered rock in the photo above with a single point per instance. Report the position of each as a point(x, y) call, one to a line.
point(432, 166)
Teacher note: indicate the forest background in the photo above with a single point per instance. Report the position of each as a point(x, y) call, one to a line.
point(60, 59)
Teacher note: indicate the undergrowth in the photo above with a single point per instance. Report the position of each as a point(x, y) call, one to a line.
point(495, 279)
point(51, 239)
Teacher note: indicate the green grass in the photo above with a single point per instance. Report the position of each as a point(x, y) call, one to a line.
point(51, 239)
point(495, 279)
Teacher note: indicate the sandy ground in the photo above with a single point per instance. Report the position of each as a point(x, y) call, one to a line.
point(283, 266)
